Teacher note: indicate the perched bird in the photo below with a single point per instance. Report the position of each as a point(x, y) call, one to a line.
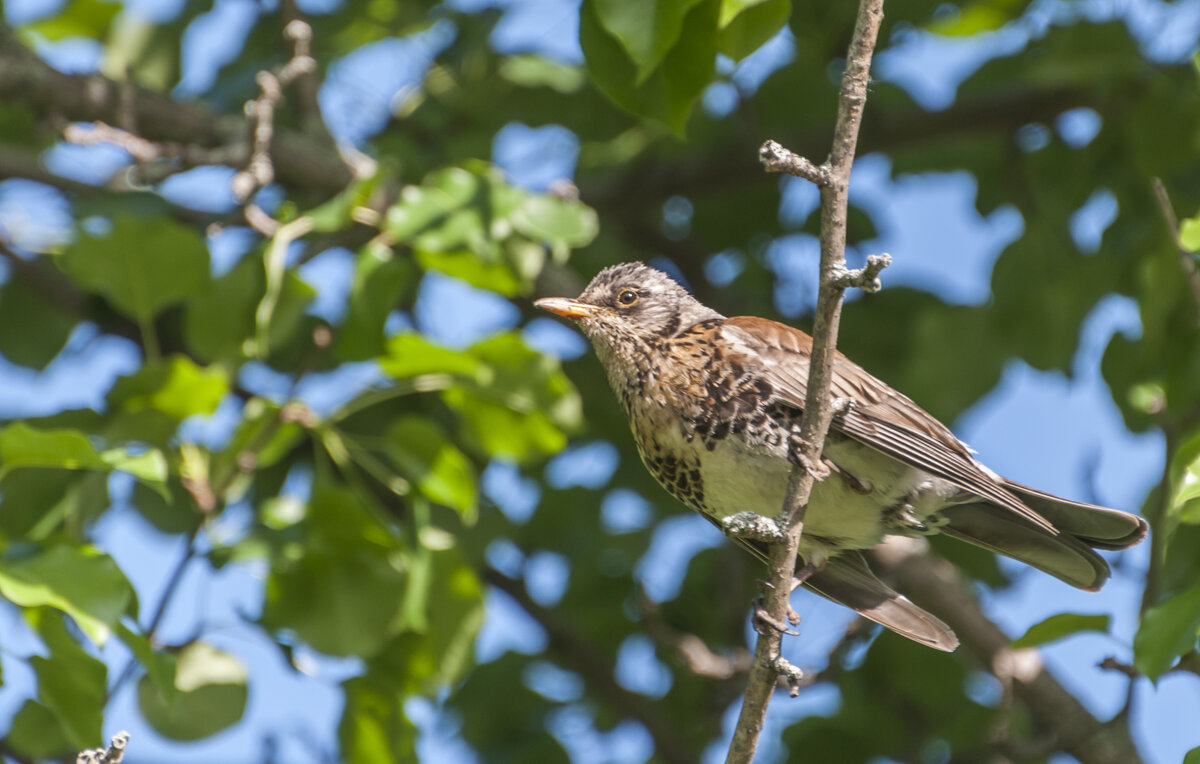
point(714, 404)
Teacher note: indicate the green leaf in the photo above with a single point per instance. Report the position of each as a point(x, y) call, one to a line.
point(555, 221)
point(211, 694)
point(1192, 756)
point(469, 267)
point(32, 329)
point(341, 595)
point(71, 683)
point(533, 71)
point(374, 728)
point(646, 29)
point(175, 386)
point(23, 446)
point(80, 18)
point(159, 666)
point(79, 581)
point(411, 355)
point(1189, 233)
point(443, 652)
point(141, 266)
point(1167, 631)
point(1062, 625)
point(747, 24)
point(36, 733)
point(380, 279)
point(667, 93)
point(426, 457)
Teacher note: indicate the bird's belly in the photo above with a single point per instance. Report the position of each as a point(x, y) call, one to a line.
point(740, 474)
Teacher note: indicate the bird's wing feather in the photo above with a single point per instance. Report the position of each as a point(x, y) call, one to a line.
point(881, 417)
point(1101, 527)
point(847, 580)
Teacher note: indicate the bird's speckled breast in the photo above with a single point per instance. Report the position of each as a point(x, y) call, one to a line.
point(715, 438)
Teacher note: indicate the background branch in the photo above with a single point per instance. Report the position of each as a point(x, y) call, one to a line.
point(927, 578)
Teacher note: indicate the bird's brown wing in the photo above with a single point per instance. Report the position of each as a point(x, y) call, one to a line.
point(880, 417)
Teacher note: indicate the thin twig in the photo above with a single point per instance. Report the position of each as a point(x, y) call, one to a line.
point(113, 754)
point(833, 179)
point(1187, 260)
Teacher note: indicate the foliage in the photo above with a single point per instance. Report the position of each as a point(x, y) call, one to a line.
point(390, 553)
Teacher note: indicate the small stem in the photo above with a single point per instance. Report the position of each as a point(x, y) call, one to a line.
point(149, 338)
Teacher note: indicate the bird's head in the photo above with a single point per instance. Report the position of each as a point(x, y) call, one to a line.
point(630, 301)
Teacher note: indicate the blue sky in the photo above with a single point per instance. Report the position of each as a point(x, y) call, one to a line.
point(1060, 434)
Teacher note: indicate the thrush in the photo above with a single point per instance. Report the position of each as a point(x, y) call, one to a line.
point(714, 404)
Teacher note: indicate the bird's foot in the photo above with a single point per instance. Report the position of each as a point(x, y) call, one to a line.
point(817, 469)
point(843, 406)
point(751, 525)
point(791, 675)
point(859, 486)
point(765, 622)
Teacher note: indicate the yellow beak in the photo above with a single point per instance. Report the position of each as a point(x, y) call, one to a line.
point(566, 307)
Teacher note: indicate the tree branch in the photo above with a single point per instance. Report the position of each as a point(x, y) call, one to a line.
point(927, 578)
point(834, 182)
point(1187, 260)
point(300, 160)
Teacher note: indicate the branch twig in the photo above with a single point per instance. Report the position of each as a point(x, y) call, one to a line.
point(1187, 260)
point(833, 178)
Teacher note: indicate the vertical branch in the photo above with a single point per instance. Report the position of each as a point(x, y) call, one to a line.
point(833, 178)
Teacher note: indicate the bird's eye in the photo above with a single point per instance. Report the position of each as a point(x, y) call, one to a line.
point(627, 297)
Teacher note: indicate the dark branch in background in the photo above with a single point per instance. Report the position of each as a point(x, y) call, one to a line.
point(597, 671)
point(1054, 710)
point(1187, 260)
point(833, 179)
point(688, 648)
point(300, 160)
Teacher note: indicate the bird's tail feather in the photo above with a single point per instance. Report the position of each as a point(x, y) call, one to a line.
point(1096, 526)
point(1063, 555)
point(848, 581)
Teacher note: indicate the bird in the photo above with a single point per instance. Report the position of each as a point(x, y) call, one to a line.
point(714, 406)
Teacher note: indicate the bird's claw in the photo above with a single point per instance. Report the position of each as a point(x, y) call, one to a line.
point(764, 621)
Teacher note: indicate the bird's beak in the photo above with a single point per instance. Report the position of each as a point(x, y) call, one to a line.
point(566, 307)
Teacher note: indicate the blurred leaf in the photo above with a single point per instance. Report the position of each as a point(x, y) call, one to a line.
point(565, 223)
point(211, 694)
point(36, 733)
point(79, 581)
point(175, 386)
point(374, 728)
point(747, 24)
point(497, 277)
point(32, 329)
point(1192, 756)
point(533, 71)
point(441, 654)
point(667, 93)
point(71, 683)
point(341, 592)
point(1059, 626)
point(79, 18)
point(646, 30)
point(173, 513)
point(1167, 631)
point(426, 456)
point(411, 355)
point(159, 666)
point(380, 279)
point(1189, 233)
point(141, 266)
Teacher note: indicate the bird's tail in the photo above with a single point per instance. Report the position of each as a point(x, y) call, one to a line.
point(1067, 554)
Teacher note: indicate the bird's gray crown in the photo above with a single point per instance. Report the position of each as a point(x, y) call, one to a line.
point(660, 308)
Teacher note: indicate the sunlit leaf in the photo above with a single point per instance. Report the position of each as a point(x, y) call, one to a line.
point(71, 683)
point(211, 694)
point(79, 581)
point(1059, 626)
point(427, 457)
point(1167, 631)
